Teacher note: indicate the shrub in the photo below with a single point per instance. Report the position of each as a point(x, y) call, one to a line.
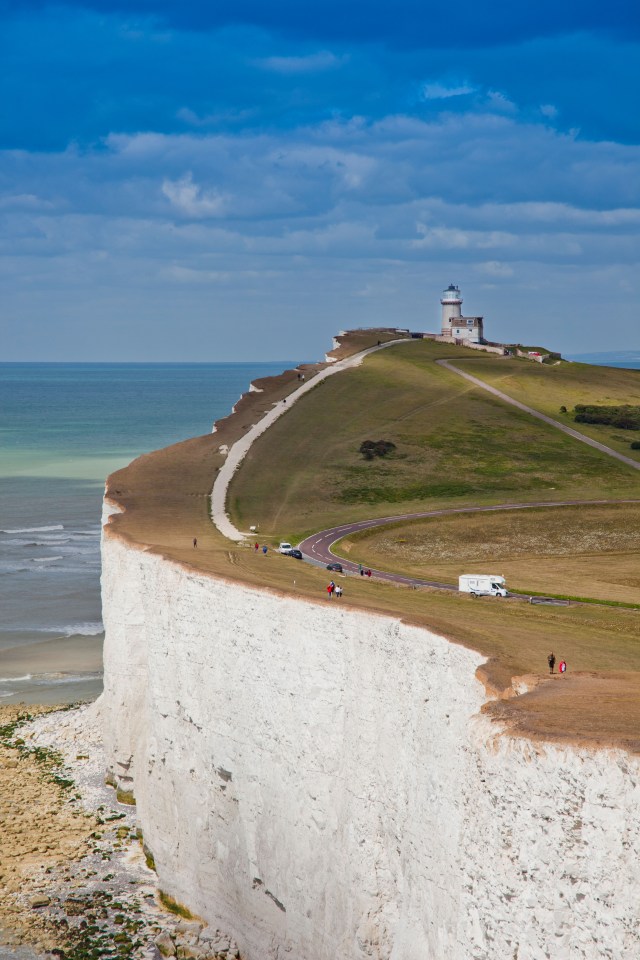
point(376, 448)
point(635, 445)
point(624, 417)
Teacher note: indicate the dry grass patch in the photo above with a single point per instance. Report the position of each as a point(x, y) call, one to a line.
point(585, 551)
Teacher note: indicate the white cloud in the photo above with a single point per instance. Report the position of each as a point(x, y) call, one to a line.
point(548, 110)
point(191, 200)
point(311, 63)
point(440, 91)
point(499, 102)
point(24, 201)
point(334, 224)
point(494, 268)
point(210, 119)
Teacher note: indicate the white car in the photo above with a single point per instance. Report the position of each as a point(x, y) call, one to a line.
point(285, 547)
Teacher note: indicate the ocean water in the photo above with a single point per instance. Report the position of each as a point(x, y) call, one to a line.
point(627, 359)
point(63, 429)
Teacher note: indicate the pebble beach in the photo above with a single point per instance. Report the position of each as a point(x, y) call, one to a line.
point(76, 879)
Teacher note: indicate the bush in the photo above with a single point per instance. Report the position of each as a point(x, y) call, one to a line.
point(623, 417)
point(635, 445)
point(563, 409)
point(376, 448)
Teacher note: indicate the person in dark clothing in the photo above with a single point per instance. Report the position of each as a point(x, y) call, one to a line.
point(551, 660)
point(195, 542)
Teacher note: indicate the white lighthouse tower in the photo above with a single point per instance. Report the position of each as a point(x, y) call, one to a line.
point(456, 326)
point(451, 308)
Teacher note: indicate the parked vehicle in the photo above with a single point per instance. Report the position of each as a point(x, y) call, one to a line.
point(483, 585)
point(337, 567)
point(296, 554)
point(285, 547)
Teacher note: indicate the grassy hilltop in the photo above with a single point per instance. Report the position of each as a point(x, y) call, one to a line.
point(454, 446)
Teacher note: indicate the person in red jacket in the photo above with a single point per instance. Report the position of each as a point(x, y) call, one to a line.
point(562, 666)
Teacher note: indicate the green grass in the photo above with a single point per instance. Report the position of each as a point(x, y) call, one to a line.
point(455, 445)
point(548, 388)
point(125, 797)
point(174, 907)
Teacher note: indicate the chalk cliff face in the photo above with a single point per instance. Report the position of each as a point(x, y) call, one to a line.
point(318, 782)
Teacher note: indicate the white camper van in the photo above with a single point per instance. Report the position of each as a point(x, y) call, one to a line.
point(483, 585)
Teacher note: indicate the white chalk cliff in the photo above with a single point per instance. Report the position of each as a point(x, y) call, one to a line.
point(320, 783)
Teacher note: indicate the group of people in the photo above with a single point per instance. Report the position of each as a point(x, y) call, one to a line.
point(551, 660)
point(333, 590)
point(363, 572)
point(256, 547)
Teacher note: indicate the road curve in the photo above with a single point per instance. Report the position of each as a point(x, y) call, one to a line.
point(317, 547)
point(541, 416)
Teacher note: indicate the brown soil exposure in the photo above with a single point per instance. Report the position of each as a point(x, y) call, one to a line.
point(570, 708)
point(165, 495)
point(40, 832)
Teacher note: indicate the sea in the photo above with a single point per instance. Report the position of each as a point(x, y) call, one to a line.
point(63, 428)
point(629, 359)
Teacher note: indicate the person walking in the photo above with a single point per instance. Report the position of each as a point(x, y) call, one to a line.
point(361, 570)
point(551, 660)
point(264, 550)
point(257, 546)
point(562, 666)
point(195, 542)
point(338, 591)
point(329, 591)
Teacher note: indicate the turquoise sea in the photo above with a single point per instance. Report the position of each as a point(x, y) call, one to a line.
point(63, 429)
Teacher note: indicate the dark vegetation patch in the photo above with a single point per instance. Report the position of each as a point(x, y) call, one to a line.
point(625, 417)
point(376, 448)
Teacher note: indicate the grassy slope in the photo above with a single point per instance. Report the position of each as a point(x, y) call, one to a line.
point(590, 551)
point(455, 445)
point(549, 387)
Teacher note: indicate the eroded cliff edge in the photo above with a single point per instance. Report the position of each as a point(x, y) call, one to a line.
point(320, 781)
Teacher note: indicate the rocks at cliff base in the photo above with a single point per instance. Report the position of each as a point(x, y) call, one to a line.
point(189, 941)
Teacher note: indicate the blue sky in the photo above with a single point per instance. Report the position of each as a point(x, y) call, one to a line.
point(222, 182)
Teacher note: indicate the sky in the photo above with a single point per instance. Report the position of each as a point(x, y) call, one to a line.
point(241, 181)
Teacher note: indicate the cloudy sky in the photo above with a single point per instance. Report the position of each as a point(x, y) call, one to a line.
point(228, 181)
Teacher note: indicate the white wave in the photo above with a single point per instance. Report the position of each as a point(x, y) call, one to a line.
point(36, 543)
point(87, 629)
point(57, 526)
point(45, 559)
point(90, 628)
point(49, 679)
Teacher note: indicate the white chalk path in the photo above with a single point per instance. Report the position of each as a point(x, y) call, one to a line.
point(240, 448)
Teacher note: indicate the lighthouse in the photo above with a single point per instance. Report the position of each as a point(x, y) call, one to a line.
point(451, 303)
point(454, 325)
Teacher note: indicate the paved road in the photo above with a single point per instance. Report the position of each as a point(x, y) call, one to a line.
point(541, 416)
point(317, 547)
